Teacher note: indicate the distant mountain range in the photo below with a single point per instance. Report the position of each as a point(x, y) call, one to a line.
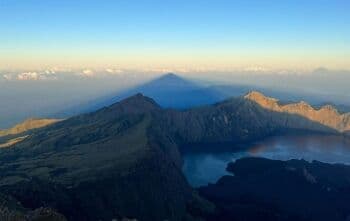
point(124, 160)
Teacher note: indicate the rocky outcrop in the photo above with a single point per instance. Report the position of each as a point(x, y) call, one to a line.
point(326, 115)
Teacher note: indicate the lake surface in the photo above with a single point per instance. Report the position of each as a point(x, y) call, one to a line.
point(205, 167)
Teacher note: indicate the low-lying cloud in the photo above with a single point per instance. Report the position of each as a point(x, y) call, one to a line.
point(28, 76)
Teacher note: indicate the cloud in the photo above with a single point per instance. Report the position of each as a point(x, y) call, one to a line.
point(28, 76)
point(256, 69)
point(114, 71)
point(87, 73)
point(7, 77)
point(50, 72)
point(36, 76)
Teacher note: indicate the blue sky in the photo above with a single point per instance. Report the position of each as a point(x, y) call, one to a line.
point(214, 34)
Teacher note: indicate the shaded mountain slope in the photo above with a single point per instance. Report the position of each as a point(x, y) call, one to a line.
point(107, 156)
point(263, 189)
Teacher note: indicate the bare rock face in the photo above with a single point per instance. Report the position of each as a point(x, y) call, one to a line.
point(326, 115)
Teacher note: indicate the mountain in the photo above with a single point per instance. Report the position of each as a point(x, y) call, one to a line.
point(297, 190)
point(236, 120)
point(106, 164)
point(327, 115)
point(124, 160)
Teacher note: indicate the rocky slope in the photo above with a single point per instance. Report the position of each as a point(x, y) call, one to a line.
point(326, 115)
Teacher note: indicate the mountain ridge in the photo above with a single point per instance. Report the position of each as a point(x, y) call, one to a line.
point(326, 115)
point(108, 155)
